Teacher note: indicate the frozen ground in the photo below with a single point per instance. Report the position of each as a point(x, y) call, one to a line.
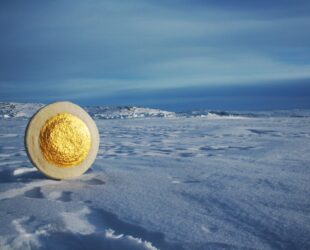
point(166, 183)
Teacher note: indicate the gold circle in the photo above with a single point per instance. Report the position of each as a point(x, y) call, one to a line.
point(65, 140)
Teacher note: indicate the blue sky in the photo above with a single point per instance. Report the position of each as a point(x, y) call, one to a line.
point(136, 52)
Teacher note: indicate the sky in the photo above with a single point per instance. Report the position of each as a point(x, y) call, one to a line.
point(221, 54)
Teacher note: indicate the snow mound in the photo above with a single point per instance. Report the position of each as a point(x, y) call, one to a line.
point(215, 115)
point(18, 110)
point(103, 112)
point(26, 110)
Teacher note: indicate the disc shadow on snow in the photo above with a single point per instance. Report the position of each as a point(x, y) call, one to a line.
point(20, 175)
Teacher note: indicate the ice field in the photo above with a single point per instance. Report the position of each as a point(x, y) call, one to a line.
point(164, 181)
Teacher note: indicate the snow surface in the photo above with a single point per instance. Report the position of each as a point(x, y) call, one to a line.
point(180, 182)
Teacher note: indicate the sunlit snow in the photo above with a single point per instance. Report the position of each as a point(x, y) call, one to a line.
point(164, 180)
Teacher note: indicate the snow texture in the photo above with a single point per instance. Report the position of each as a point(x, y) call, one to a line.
point(183, 181)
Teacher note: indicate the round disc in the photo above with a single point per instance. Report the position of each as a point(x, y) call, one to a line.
point(62, 140)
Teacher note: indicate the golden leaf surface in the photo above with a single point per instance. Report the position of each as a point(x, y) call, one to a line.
point(65, 140)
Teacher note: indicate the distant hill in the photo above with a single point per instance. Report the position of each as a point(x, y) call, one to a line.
point(26, 110)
